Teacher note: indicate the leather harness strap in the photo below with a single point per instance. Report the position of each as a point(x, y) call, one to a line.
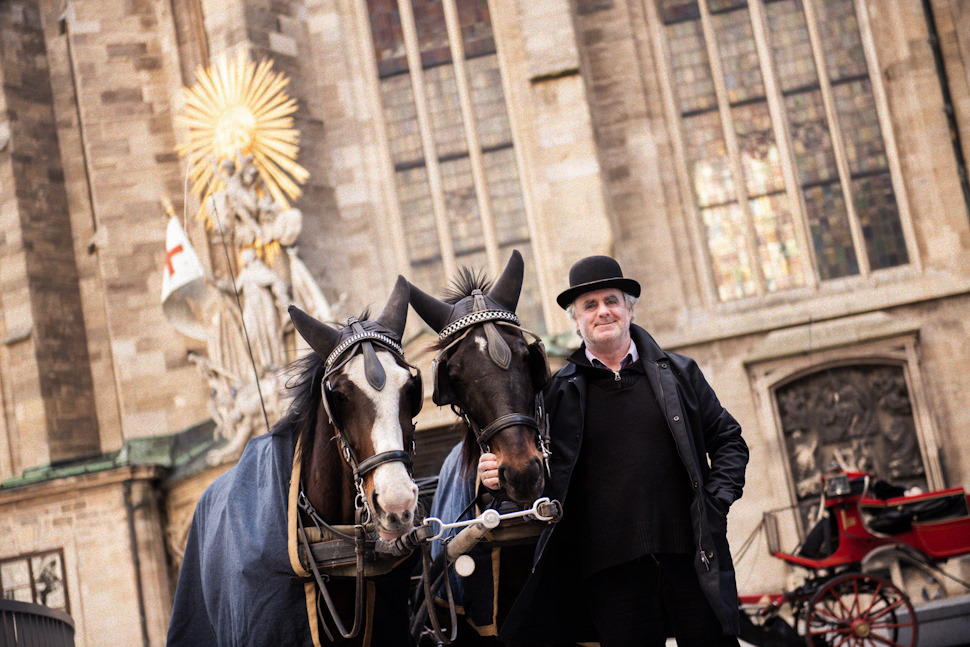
point(370, 464)
point(504, 422)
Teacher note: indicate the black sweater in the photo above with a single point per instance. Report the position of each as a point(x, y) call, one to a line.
point(631, 493)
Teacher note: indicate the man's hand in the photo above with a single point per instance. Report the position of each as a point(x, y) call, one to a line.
point(488, 471)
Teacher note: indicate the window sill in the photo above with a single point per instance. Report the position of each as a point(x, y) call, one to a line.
point(831, 300)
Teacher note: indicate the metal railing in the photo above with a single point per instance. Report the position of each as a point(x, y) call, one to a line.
point(23, 624)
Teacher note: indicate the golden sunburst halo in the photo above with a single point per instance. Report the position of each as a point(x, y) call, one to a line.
point(238, 107)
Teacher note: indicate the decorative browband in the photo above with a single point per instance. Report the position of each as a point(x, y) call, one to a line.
point(355, 339)
point(478, 317)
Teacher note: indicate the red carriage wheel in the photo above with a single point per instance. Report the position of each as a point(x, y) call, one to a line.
point(856, 610)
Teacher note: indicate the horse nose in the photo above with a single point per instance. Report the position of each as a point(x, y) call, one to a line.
point(398, 504)
point(399, 519)
point(525, 483)
point(530, 472)
point(403, 516)
point(534, 470)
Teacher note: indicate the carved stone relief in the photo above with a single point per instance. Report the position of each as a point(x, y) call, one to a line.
point(856, 417)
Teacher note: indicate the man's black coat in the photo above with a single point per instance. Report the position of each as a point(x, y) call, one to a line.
point(708, 440)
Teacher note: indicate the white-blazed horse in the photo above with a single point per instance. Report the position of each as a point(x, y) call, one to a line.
point(336, 466)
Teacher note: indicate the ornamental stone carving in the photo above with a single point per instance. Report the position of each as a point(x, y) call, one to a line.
point(856, 417)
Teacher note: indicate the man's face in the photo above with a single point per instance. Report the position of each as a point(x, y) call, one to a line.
point(602, 317)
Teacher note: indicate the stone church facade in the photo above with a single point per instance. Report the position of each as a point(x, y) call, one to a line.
point(786, 178)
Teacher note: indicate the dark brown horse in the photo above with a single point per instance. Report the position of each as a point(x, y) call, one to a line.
point(341, 456)
point(490, 370)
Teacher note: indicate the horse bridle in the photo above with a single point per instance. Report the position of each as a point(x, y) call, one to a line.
point(501, 355)
point(363, 341)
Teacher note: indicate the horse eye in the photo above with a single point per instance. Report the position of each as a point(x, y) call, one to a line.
point(339, 397)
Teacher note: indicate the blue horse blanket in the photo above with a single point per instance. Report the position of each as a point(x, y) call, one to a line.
point(453, 501)
point(237, 585)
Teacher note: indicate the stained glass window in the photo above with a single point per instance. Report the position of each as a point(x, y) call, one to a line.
point(829, 226)
point(707, 159)
point(441, 91)
point(690, 66)
point(782, 264)
point(738, 56)
point(876, 206)
point(757, 148)
point(731, 262)
point(835, 213)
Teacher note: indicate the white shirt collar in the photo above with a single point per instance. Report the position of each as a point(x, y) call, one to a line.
point(633, 354)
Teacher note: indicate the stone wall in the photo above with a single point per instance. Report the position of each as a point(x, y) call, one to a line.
point(552, 128)
point(646, 196)
point(633, 145)
point(88, 361)
point(116, 89)
point(47, 365)
point(92, 518)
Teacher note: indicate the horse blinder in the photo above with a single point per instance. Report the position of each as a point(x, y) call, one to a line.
point(538, 366)
point(443, 392)
point(416, 393)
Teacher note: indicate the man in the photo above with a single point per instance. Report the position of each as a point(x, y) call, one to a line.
point(646, 462)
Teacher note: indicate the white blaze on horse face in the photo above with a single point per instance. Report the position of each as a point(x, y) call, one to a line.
point(396, 489)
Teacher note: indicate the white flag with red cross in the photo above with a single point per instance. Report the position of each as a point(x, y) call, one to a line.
point(185, 293)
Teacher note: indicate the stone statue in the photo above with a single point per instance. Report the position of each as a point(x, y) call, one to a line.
point(249, 335)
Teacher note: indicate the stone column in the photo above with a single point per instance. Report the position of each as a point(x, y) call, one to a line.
point(47, 382)
point(118, 83)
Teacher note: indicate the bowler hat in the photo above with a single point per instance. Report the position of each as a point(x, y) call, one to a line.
point(595, 273)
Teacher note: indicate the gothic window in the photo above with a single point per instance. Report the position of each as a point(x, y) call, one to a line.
point(450, 140)
point(783, 141)
point(36, 578)
point(859, 417)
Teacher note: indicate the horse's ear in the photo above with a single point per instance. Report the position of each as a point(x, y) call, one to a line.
point(321, 337)
point(508, 286)
point(395, 314)
point(435, 312)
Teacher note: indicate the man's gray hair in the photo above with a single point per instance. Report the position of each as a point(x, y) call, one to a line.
point(629, 298)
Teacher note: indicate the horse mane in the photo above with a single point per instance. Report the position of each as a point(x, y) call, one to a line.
point(302, 415)
point(467, 281)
